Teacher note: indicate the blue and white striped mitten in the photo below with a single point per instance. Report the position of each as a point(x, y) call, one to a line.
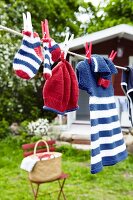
point(52, 54)
point(29, 57)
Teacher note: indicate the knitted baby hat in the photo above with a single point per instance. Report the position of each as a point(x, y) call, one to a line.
point(74, 90)
point(29, 57)
point(56, 91)
point(52, 54)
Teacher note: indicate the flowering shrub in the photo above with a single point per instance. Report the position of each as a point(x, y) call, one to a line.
point(38, 128)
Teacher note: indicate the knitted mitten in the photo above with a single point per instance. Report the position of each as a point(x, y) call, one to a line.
point(52, 53)
point(29, 57)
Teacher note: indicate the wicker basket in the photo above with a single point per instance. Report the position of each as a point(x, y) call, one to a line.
point(46, 170)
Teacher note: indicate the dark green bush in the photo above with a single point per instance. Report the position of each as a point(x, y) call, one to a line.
point(4, 129)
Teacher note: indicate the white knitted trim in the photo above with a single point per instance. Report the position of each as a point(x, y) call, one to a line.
point(46, 70)
point(101, 100)
point(96, 64)
point(131, 90)
point(103, 113)
point(131, 102)
point(31, 39)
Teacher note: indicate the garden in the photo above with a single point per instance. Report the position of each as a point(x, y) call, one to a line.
point(113, 183)
point(22, 118)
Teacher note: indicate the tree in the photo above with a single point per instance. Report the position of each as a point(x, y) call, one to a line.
point(22, 100)
point(110, 13)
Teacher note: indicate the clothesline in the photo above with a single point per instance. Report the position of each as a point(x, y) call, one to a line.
point(69, 52)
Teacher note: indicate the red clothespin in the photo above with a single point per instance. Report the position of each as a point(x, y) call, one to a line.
point(112, 55)
point(88, 51)
point(45, 31)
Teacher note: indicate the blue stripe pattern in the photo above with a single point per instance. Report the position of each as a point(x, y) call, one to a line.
point(47, 59)
point(94, 107)
point(104, 120)
point(108, 161)
point(22, 62)
point(107, 133)
point(29, 45)
point(26, 60)
point(107, 144)
point(29, 55)
point(54, 47)
point(99, 134)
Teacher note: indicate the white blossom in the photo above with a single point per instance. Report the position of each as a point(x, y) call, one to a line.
point(39, 127)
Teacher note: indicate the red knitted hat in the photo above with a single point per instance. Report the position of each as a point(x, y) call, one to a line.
point(56, 91)
point(74, 90)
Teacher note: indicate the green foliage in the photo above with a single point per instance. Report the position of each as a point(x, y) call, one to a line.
point(4, 129)
point(110, 13)
point(113, 183)
point(70, 153)
point(22, 100)
point(60, 14)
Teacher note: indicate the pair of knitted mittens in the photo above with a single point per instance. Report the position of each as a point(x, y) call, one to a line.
point(29, 57)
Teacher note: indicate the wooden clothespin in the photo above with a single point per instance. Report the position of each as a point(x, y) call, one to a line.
point(88, 51)
point(112, 55)
point(27, 23)
point(45, 31)
point(66, 45)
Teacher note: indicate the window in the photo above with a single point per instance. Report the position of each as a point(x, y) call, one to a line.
point(130, 60)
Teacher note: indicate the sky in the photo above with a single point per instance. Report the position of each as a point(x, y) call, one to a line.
point(84, 17)
point(94, 2)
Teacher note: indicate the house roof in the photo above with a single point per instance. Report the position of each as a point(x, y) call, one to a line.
point(121, 31)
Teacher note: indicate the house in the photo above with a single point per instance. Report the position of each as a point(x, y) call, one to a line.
point(118, 38)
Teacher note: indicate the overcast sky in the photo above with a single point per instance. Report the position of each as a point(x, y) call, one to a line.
point(85, 17)
point(95, 2)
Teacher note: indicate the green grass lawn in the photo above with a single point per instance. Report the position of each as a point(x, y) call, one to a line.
point(113, 183)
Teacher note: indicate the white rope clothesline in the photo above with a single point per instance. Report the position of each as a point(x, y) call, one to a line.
point(72, 53)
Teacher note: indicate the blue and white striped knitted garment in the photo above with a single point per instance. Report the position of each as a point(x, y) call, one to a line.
point(26, 59)
point(51, 55)
point(47, 59)
point(107, 144)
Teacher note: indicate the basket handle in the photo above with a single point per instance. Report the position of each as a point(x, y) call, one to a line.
point(47, 147)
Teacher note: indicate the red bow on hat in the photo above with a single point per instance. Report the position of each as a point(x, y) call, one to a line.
point(103, 82)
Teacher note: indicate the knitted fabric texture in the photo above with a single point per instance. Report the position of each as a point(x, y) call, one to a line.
point(52, 53)
point(127, 87)
point(60, 92)
point(107, 144)
point(74, 91)
point(29, 57)
point(56, 91)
